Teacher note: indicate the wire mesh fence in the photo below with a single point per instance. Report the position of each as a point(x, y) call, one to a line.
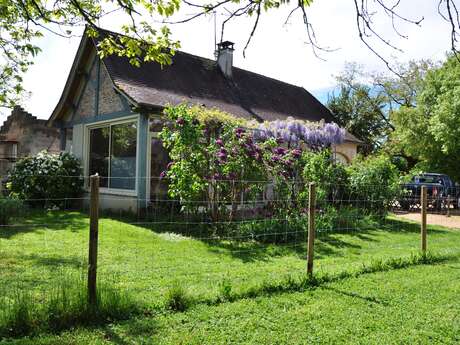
point(238, 235)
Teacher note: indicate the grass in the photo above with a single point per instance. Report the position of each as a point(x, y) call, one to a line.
point(211, 281)
point(66, 306)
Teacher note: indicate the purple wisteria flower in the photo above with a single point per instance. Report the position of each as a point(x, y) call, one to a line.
point(170, 165)
point(220, 142)
point(293, 132)
point(232, 176)
point(296, 153)
point(163, 174)
point(180, 121)
point(222, 155)
point(239, 132)
point(279, 150)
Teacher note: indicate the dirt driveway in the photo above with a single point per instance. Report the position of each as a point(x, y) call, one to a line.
point(434, 219)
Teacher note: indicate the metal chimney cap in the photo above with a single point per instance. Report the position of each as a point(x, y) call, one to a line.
point(225, 45)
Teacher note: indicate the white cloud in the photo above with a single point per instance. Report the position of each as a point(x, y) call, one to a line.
point(277, 51)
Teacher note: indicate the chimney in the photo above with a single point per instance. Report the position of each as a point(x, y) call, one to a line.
point(225, 57)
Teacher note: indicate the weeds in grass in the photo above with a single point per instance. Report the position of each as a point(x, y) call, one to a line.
point(225, 291)
point(66, 306)
point(303, 282)
point(177, 298)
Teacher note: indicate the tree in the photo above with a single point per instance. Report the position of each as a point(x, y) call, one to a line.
point(430, 131)
point(367, 100)
point(147, 27)
point(360, 113)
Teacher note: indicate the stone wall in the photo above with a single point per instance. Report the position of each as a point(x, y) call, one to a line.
point(24, 135)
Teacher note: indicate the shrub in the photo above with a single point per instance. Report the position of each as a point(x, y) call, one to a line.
point(9, 207)
point(374, 183)
point(290, 229)
point(217, 159)
point(331, 178)
point(346, 218)
point(46, 179)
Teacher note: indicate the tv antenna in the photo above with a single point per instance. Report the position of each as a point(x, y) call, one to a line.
point(215, 33)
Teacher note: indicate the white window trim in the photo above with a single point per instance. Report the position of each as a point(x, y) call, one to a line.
point(100, 124)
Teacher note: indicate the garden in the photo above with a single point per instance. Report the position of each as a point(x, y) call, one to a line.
point(229, 238)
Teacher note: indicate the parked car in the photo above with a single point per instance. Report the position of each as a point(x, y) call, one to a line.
point(439, 188)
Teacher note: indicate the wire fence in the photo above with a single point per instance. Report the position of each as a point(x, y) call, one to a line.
point(238, 235)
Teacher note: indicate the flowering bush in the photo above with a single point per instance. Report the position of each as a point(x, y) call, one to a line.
point(46, 179)
point(227, 168)
point(217, 158)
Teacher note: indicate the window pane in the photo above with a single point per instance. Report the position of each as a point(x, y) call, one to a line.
point(123, 156)
point(99, 154)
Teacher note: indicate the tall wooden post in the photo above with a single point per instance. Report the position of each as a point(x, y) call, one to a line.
point(448, 205)
point(93, 239)
point(311, 227)
point(424, 202)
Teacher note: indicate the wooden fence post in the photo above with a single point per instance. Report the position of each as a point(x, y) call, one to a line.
point(448, 205)
point(93, 239)
point(424, 202)
point(311, 227)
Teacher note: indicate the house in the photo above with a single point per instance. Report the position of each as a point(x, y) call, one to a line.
point(24, 135)
point(109, 112)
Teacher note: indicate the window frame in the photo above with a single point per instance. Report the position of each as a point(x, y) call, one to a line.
point(109, 123)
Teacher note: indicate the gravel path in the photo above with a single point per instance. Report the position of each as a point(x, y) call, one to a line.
point(434, 219)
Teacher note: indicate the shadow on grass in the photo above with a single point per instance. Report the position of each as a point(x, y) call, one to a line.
point(333, 243)
point(36, 220)
point(267, 243)
point(356, 295)
point(55, 261)
point(69, 310)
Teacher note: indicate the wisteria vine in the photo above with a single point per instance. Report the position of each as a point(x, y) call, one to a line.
point(209, 148)
point(295, 132)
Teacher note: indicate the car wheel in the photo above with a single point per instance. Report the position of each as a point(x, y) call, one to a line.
point(438, 205)
point(405, 205)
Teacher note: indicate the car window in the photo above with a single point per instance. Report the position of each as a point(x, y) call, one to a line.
point(428, 179)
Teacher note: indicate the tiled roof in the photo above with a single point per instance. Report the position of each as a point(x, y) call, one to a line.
point(197, 80)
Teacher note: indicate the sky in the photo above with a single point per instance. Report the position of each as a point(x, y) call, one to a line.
point(277, 50)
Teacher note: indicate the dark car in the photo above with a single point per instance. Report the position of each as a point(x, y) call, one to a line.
point(440, 187)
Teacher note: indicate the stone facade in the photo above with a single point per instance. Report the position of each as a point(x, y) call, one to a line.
point(98, 96)
point(86, 104)
point(24, 135)
point(108, 101)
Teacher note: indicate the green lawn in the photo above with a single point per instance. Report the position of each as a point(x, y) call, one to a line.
point(414, 305)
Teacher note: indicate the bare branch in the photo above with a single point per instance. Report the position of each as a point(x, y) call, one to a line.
point(253, 30)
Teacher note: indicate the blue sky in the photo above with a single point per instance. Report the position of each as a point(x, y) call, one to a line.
point(278, 51)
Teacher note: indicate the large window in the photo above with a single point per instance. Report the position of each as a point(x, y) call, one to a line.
point(112, 154)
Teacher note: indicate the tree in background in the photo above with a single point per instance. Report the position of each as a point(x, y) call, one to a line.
point(430, 131)
point(357, 109)
point(366, 102)
point(147, 26)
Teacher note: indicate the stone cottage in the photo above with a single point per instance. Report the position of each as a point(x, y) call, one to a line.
point(109, 112)
point(23, 135)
